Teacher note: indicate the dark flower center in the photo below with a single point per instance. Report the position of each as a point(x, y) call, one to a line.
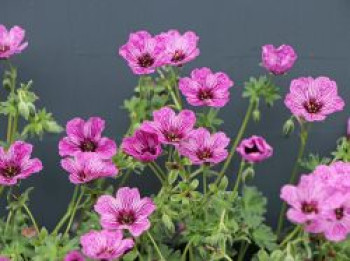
point(205, 95)
point(4, 48)
point(249, 150)
point(313, 106)
point(88, 146)
point(309, 207)
point(82, 176)
point(149, 150)
point(11, 171)
point(145, 60)
point(339, 213)
point(178, 56)
point(204, 154)
point(172, 137)
point(126, 217)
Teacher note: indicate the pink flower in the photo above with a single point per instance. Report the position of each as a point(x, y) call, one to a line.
point(144, 146)
point(11, 42)
point(105, 245)
point(278, 60)
point(2, 258)
point(126, 211)
point(85, 136)
point(307, 202)
point(255, 149)
point(313, 99)
point(143, 52)
point(169, 127)
point(179, 49)
point(74, 256)
point(202, 147)
point(84, 167)
point(16, 164)
point(206, 88)
point(336, 217)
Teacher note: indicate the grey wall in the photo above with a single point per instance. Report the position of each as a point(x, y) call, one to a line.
point(72, 58)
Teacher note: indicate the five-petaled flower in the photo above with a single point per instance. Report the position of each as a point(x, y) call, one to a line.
point(85, 167)
point(278, 60)
point(11, 42)
point(125, 211)
point(170, 128)
point(254, 149)
point(105, 245)
point(313, 99)
point(179, 49)
point(16, 163)
point(202, 147)
point(143, 52)
point(206, 88)
point(85, 136)
point(143, 145)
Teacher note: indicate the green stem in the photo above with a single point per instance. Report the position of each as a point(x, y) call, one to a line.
point(9, 129)
point(31, 218)
point(237, 140)
point(184, 254)
point(243, 249)
point(290, 236)
point(303, 138)
point(155, 246)
point(2, 188)
point(156, 172)
point(239, 177)
point(67, 214)
point(74, 211)
point(195, 173)
point(125, 178)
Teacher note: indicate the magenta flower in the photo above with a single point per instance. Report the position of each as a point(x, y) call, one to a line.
point(144, 146)
point(336, 217)
point(307, 202)
point(254, 149)
point(74, 256)
point(105, 245)
point(126, 211)
point(85, 136)
point(85, 167)
point(3, 258)
point(11, 42)
point(278, 60)
point(206, 88)
point(202, 147)
point(143, 52)
point(169, 127)
point(313, 99)
point(179, 49)
point(16, 164)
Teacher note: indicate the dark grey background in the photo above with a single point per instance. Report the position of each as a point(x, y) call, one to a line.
point(72, 58)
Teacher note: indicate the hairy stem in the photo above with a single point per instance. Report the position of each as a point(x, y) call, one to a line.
point(74, 211)
point(31, 218)
point(239, 176)
point(155, 246)
point(303, 138)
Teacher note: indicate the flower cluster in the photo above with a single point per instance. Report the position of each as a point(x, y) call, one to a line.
point(321, 201)
point(88, 154)
point(127, 211)
point(145, 53)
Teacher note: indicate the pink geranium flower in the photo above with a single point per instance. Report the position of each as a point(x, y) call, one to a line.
point(16, 163)
point(278, 60)
point(143, 145)
point(2, 258)
point(307, 202)
point(206, 88)
point(85, 136)
point(255, 149)
point(105, 245)
point(179, 49)
point(126, 211)
point(11, 42)
point(169, 127)
point(85, 167)
point(202, 147)
point(74, 256)
point(313, 99)
point(336, 217)
point(143, 52)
